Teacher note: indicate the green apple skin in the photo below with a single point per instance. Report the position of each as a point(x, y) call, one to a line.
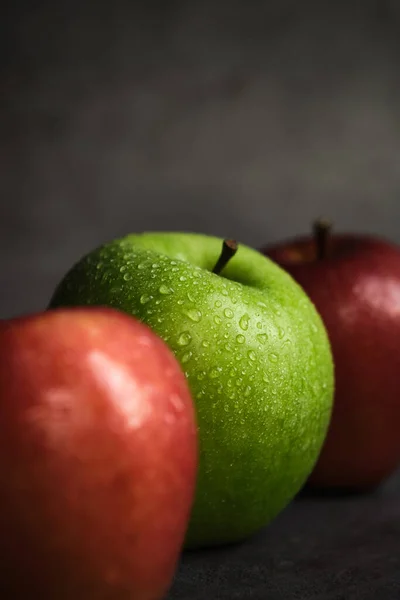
point(256, 356)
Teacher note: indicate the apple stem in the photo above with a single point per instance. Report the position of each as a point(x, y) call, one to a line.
point(229, 249)
point(322, 229)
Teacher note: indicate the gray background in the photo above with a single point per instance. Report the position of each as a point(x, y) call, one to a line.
point(235, 118)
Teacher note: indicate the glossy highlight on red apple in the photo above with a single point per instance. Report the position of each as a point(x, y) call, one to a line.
point(98, 457)
point(354, 282)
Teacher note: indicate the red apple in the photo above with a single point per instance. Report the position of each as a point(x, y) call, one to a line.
point(354, 281)
point(98, 457)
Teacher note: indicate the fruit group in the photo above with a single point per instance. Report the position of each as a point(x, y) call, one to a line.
point(354, 281)
point(98, 448)
point(256, 356)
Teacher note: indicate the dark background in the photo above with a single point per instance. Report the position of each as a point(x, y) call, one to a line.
point(241, 118)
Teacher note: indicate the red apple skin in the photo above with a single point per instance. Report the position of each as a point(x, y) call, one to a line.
point(356, 289)
point(98, 457)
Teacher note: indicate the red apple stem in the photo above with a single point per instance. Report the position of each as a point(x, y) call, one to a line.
point(322, 230)
point(229, 249)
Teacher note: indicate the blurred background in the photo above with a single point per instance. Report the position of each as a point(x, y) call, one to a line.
point(244, 118)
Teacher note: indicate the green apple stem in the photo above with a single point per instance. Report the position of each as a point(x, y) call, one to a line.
point(229, 249)
point(322, 230)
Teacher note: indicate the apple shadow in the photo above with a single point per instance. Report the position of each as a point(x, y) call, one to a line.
point(217, 549)
point(224, 548)
point(313, 492)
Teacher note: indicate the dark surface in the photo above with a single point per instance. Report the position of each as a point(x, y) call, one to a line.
point(343, 548)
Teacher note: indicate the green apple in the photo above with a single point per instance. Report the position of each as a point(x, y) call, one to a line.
point(254, 351)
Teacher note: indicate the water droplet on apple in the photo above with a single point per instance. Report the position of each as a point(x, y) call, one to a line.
point(142, 265)
point(252, 355)
point(173, 262)
point(182, 278)
point(247, 391)
point(144, 299)
point(122, 269)
point(228, 347)
point(191, 297)
point(164, 289)
point(205, 344)
point(177, 403)
point(228, 313)
point(224, 292)
point(244, 322)
point(262, 338)
point(154, 265)
point(281, 333)
point(214, 373)
point(186, 357)
point(240, 338)
point(170, 418)
point(262, 305)
point(194, 315)
point(99, 265)
point(265, 378)
point(273, 357)
point(218, 304)
point(184, 339)
point(217, 319)
point(180, 302)
point(259, 325)
point(201, 375)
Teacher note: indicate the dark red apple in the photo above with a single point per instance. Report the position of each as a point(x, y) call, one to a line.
point(98, 457)
point(354, 281)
